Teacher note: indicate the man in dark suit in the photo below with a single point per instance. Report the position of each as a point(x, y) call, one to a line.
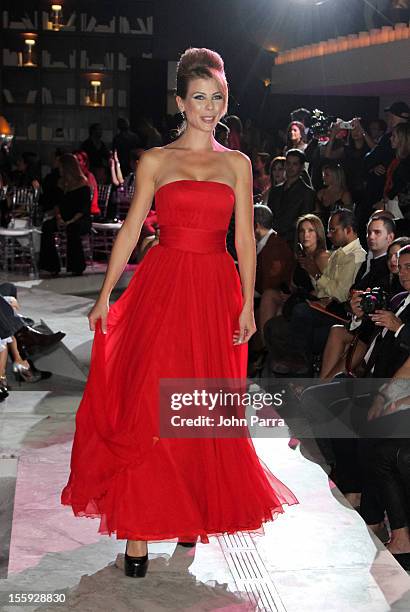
point(374, 271)
point(291, 199)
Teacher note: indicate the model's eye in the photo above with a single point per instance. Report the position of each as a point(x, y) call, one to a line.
point(218, 97)
point(199, 97)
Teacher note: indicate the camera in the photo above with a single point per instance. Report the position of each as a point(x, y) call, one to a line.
point(346, 125)
point(321, 123)
point(376, 299)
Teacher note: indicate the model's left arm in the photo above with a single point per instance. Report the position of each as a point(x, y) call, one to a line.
point(245, 245)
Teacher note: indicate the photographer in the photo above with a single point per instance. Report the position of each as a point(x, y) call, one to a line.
point(349, 344)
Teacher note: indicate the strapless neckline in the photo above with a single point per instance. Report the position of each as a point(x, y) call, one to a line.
point(194, 181)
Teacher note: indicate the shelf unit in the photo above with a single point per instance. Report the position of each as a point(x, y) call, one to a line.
point(47, 103)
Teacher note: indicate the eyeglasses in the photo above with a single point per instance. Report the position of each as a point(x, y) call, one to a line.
point(332, 230)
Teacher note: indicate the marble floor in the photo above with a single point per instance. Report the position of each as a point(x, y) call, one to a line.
point(317, 557)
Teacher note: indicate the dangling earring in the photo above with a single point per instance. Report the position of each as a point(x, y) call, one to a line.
point(183, 115)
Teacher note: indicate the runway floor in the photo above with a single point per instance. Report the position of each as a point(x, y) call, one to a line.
point(317, 557)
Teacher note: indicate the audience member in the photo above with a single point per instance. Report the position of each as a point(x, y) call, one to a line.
point(124, 142)
point(235, 132)
point(82, 158)
point(292, 349)
point(222, 134)
point(295, 137)
point(277, 175)
point(291, 199)
point(72, 215)
point(376, 271)
point(98, 153)
point(379, 159)
point(261, 174)
point(335, 194)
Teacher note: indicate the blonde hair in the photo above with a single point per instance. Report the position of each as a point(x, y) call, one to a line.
point(339, 174)
point(402, 131)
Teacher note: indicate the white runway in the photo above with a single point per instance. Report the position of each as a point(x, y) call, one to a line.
point(317, 557)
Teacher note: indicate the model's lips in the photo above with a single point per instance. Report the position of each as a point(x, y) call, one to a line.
point(208, 119)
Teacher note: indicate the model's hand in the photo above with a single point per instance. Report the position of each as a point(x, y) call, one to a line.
point(386, 318)
point(99, 311)
point(247, 326)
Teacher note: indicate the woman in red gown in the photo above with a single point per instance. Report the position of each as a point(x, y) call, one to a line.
point(185, 314)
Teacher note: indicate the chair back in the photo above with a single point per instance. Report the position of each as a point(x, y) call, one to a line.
point(23, 205)
point(125, 195)
point(104, 192)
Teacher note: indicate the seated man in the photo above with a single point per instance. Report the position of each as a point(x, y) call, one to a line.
point(274, 266)
point(375, 272)
point(292, 344)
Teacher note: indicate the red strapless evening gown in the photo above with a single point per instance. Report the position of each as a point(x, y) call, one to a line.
point(175, 320)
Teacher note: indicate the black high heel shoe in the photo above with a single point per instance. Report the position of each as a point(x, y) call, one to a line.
point(187, 544)
point(135, 567)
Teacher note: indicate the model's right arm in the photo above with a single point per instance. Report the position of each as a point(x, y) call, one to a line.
point(128, 235)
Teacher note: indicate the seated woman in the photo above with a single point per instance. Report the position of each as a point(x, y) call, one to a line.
point(277, 176)
point(310, 250)
point(335, 194)
point(340, 338)
point(82, 158)
point(71, 214)
point(311, 259)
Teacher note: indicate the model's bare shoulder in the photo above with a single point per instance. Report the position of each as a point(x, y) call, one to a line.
point(151, 160)
point(240, 164)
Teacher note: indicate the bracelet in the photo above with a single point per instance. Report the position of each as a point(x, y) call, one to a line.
point(317, 275)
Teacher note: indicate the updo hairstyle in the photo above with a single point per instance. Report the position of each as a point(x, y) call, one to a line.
point(201, 64)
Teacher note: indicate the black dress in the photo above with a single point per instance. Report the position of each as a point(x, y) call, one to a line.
point(70, 203)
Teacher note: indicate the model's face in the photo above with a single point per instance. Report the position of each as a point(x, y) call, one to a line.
point(392, 259)
point(307, 235)
point(295, 134)
point(404, 271)
point(378, 239)
point(278, 174)
point(204, 104)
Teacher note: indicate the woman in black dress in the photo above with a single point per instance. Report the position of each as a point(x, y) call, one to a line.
point(72, 214)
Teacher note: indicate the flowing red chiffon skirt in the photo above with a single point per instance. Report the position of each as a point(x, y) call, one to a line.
point(175, 320)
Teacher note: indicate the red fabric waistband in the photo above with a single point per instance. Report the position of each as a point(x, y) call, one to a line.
point(192, 239)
